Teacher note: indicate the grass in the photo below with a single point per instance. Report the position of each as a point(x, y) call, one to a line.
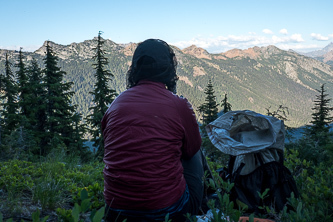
point(63, 189)
point(47, 185)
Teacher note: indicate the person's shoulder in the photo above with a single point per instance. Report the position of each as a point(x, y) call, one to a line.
point(181, 100)
point(120, 97)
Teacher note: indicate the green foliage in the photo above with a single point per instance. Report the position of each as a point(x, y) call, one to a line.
point(23, 86)
point(268, 210)
point(77, 146)
point(252, 84)
point(50, 184)
point(81, 187)
point(102, 95)
point(59, 109)
point(166, 219)
point(299, 214)
point(9, 117)
point(58, 179)
point(95, 194)
point(49, 193)
point(17, 176)
point(316, 142)
point(222, 209)
point(209, 109)
point(75, 214)
point(36, 113)
point(18, 145)
point(319, 130)
point(310, 150)
point(315, 186)
point(35, 217)
point(225, 104)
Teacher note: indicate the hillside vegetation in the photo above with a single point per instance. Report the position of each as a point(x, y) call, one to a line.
point(48, 174)
point(254, 79)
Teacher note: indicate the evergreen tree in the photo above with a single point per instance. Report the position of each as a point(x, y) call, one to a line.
point(209, 113)
point(9, 106)
point(209, 108)
point(2, 84)
point(23, 87)
point(58, 100)
point(226, 105)
point(316, 144)
point(2, 93)
point(102, 95)
point(37, 100)
point(319, 130)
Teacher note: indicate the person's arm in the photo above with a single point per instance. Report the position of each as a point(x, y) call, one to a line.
point(192, 137)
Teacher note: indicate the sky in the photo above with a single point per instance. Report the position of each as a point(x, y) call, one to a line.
point(215, 25)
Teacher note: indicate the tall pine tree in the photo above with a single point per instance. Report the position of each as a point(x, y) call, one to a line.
point(9, 106)
point(103, 95)
point(209, 112)
point(23, 87)
point(225, 104)
point(319, 130)
point(209, 109)
point(59, 109)
point(2, 93)
point(37, 100)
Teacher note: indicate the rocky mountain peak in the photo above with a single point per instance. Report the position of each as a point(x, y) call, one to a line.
point(83, 49)
point(56, 47)
point(197, 52)
point(328, 48)
point(253, 53)
point(321, 52)
point(128, 49)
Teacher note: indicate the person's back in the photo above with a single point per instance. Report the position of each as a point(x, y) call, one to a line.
point(151, 141)
point(144, 129)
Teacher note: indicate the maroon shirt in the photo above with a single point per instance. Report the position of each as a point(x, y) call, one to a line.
point(147, 130)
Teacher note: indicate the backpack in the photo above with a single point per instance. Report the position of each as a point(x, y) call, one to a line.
point(272, 175)
point(255, 144)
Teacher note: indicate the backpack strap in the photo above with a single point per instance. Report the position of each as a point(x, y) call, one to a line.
point(259, 158)
point(231, 164)
point(281, 156)
point(235, 176)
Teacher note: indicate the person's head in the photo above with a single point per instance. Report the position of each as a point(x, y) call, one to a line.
point(153, 60)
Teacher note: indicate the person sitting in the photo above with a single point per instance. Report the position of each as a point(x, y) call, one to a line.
point(153, 162)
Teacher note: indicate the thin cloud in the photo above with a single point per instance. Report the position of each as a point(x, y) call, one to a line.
point(284, 31)
point(319, 37)
point(29, 48)
point(224, 43)
point(299, 47)
point(267, 31)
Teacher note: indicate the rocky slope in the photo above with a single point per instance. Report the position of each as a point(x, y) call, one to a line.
point(256, 78)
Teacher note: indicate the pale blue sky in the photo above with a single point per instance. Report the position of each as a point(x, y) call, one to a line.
point(215, 25)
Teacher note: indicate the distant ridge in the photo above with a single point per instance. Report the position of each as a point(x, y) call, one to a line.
point(321, 52)
point(256, 78)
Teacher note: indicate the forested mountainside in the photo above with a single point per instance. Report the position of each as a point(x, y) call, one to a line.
point(254, 79)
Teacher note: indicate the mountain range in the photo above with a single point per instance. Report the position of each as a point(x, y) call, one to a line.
point(323, 55)
point(257, 78)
